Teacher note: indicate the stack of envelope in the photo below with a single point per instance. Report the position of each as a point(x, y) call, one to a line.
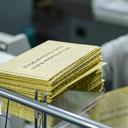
point(52, 68)
point(111, 109)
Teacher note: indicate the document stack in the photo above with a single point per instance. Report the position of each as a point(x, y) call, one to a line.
point(52, 68)
point(112, 108)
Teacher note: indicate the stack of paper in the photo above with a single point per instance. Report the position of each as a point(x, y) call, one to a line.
point(112, 109)
point(51, 68)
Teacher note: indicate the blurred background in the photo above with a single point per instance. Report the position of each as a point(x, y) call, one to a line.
point(80, 21)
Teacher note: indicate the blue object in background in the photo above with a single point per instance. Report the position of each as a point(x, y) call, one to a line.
point(31, 35)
